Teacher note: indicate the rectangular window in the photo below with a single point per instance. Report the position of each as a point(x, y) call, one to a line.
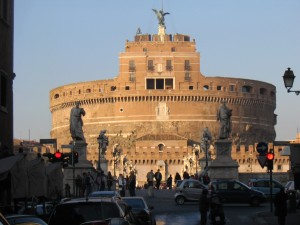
point(231, 87)
point(169, 65)
point(160, 84)
point(131, 66)
point(132, 77)
point(169, 83)
point(187, 65)
point(150, 84)
point(3, 91)
point(187, 76)
point(150, 65)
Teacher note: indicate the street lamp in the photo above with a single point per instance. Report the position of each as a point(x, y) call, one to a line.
point(288, 79)
point(99, 151)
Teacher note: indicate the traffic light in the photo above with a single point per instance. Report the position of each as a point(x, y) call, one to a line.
point(270, 159)
point(68, 159)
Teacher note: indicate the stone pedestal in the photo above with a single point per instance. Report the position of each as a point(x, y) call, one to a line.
point(83, 165)
point(223, 167)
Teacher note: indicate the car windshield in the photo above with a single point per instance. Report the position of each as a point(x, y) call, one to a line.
point(80, 212)
point(135, 203)
point(25, 220)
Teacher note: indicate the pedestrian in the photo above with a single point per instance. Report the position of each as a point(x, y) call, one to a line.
point(186, 175)
point(281, 206)
point(83, 185)
point(158, 178)
point(109, 181)
point(150, 179)
point(206, 179)
point(88, 183)
point(177, 177)
point(204, 206)
point(169, 182)
point(122, 185)
point(67, 189)
point(132, 184)
point(78, 183)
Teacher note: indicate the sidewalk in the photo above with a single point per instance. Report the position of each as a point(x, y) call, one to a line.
point(268, 218)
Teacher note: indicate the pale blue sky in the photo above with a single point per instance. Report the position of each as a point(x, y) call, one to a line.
point(59, 42)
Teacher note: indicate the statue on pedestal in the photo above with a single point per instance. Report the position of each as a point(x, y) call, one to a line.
point(160, 16)
point(103, 142)
point(224, 116)
point(76, 123)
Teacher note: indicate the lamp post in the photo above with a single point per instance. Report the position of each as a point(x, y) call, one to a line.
point(288, 79)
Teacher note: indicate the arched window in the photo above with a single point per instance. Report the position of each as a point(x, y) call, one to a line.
point(56, 96)
point(161, 147)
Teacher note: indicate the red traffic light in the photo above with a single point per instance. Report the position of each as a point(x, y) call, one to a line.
point(57, 155)
point(270, 156)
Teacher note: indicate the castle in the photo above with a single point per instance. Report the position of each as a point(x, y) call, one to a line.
point(157, 106)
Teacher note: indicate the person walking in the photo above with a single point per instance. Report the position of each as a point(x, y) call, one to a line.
point(122, 185)
point(281, 206)
point(158, 178)
point(177, 177)
point(206, 179)
point(132, 184)
point(150, 179)
point(109, 181)
point(204, 206)
point(169, 182)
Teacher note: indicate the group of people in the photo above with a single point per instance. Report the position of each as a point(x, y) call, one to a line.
point(127, 183)
point(87, 183)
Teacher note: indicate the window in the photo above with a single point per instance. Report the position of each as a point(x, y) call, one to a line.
point(205, 88)
point(169, 83)
point(219, 88)
point(3, 93)
point(113, 88)
point(150, 84)
point(131, 66)
point(150, 65)
point(88, 90)
point(173, 49)
point(132, 77)
point(187, 76)
point(191, 87)
point(56, 96)
point(160, 147)
point(246, 89)
point(169, 65)
point(187, 65)
point(160, 84)
point(231, 87)
point(127, 88)
point(263, 91)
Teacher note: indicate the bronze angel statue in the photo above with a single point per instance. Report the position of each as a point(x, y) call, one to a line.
point(160, 16)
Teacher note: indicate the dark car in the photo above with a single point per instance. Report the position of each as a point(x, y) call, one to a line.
point(78, 211)
point(263, 185)
point(24, 219)
point(141, 210)
point(234, 191)
point(188, 190)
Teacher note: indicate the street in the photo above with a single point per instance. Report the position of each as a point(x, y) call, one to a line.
point(169, 213)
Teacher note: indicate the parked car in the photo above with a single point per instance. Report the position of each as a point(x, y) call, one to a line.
point(263, 185)
point(290, 188)
point(141, 210)
point(104, 194)
point(78, 211)
point(24, 219)
point(188, 190)
point(234, 191)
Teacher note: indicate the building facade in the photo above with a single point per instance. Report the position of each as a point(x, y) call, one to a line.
point(6, 76)
point(159, 103)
